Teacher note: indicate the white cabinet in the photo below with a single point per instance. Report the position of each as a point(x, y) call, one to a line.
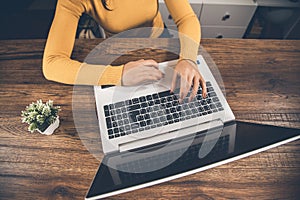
point(226, 19)
point(218, 18)
point(167, 18)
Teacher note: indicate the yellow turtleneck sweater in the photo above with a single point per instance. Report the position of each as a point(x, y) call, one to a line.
point(124, 15)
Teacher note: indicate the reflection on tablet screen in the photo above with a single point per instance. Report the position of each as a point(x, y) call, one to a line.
point(128, 171)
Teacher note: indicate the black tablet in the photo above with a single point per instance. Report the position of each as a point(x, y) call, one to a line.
point(127, 171)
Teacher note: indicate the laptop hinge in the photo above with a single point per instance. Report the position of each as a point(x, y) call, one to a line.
point(170, 135)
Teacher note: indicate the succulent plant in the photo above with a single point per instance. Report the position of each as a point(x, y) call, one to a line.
point(40, 115)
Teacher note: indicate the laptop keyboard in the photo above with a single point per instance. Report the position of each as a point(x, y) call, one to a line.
point(156, 110)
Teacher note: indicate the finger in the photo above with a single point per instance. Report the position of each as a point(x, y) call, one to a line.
point(153, 76)
point(150, 70)
point(150, 79)
point(156, 73)
point(195, 88)
point(173, 84)
point(203, 85)
point(150, 63)
point(184, 88)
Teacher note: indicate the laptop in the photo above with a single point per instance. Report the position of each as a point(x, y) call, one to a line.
point(130, 170)
point(134, 117)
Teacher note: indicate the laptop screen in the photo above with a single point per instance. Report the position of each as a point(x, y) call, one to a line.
point(166, 161)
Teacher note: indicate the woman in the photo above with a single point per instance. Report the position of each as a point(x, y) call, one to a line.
point(116, 16)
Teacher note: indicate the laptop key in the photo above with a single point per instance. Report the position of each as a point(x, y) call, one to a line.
point(208, 100)
point(121, 129)
point(111, 106)
point(163, 100)
point(121, 123)
point(108, 122)
point(155, 96)
point(142, 99)
point(106, 113)
point(206, 107)
point(147, 116)
point(116, 130)
point(135, 100)
point(169, 98)
point(111, 137)
point(156, 101)
point(149, 97)
point(156, 120)
point(134, 107)
point(119, 104)
point(110, 132)
point(135, 126)
point(142, 123)
point(215, 99)
point(149, 122)
point(163, 119)
point(194, 110)
point(164, 93)
point(126, 121)
point(128, 132)
point(176, 115)
point(212, 94)
point(159, 124)
point(218, 104)
point(160, 113)
point(210, 89)
point(127, 127)
point(150, 103)
point(128, 102)
point(134, 131)
point(153, 126)
point(115, 124)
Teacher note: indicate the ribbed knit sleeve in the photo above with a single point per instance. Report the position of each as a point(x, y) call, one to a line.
point(188, 27)
point(57, 64)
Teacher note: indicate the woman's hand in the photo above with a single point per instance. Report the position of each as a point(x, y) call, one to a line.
point(140, 72)
point(188, 75)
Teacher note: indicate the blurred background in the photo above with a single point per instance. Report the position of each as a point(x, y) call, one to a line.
point(265, 19)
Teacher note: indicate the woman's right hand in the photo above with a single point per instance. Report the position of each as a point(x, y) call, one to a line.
point(140, 72)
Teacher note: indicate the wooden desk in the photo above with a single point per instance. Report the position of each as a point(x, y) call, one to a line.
point(262, 85)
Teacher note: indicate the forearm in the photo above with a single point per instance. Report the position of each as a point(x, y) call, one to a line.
point(64, 70)
point(190, 36)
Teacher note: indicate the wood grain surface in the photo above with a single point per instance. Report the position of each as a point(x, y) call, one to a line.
point(261, 78)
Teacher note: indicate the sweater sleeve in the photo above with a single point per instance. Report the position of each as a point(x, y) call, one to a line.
point(57, 64)
point(188, 27)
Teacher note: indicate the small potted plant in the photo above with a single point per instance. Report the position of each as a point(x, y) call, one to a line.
point(41, 117)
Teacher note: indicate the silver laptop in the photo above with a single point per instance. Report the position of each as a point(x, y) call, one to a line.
point(134, 117)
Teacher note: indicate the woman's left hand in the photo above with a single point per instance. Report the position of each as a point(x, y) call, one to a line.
point(189, 75)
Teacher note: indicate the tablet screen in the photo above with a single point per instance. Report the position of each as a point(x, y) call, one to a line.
point(128, 171)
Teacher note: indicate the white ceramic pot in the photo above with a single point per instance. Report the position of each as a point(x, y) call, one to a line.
point(51, 128)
